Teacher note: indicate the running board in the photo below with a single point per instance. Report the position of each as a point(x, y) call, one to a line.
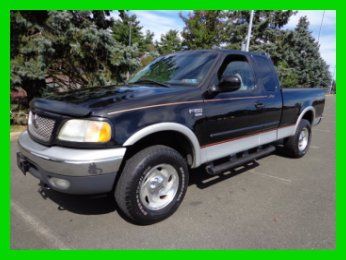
point(232, 163)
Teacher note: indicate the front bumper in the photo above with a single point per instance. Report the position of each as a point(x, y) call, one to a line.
point(74, 171)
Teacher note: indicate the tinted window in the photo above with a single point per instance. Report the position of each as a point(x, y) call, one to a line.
point(181, 68)
point(266, 73)
point(243, 70)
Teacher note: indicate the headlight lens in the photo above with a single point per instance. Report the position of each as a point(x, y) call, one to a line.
point(77, 130)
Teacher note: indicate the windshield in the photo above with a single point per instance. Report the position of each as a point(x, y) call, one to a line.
point(187, 68)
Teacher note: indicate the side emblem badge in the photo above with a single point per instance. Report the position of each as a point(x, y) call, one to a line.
point(196, 112)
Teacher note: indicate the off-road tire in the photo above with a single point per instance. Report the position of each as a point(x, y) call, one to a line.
point(127, 190)
point(291, 145)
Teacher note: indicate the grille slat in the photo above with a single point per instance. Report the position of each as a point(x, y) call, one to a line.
point(40, 127)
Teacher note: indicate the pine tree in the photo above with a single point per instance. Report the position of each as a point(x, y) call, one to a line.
point(149, 41)
point(169, 42)
point(294, 53)
point(128, 28)
point(301, 53)
point(203, 29)
point(150, 49)
point(29, 51)
point(71, 49)
point(266, 28)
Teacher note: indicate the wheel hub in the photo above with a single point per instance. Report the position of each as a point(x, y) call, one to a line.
point(159, 186)
point(303, 139)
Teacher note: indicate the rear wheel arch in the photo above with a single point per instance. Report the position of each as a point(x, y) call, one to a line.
point(308, 113)
point(309, 116)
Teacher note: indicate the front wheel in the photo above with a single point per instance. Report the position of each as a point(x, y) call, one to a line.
point(297, 145)
point(152, 184)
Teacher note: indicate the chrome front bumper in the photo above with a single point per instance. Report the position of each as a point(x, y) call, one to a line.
point(87, 171)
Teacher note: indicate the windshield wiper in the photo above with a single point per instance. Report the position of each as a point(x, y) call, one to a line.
point(150, 81)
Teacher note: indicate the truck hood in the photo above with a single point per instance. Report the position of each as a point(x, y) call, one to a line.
point(88, 101)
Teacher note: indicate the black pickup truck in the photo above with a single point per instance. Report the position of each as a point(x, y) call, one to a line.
point(213, 108)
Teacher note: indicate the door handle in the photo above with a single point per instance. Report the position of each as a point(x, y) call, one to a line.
point(259, 105)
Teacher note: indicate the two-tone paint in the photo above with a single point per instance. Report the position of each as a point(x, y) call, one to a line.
point(216, 124)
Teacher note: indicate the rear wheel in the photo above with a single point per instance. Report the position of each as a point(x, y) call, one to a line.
point(152, 184)
point(297, 145)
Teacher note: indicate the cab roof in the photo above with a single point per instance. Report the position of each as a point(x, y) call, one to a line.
point(226, 52)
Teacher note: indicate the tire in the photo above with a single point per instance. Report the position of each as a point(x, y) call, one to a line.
point(152, 185)
point(293, 146)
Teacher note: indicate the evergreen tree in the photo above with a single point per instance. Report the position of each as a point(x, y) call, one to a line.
point(169, 42)
point(29, 51)
point(333, 89)
point(149, 41)
point(203, 29)
point(294, 53)
point(150, 47)
point(71, 49)
point(300, 51)
point(128, 28)
point(265, 30)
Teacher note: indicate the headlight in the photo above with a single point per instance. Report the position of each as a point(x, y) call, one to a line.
point(77, 130)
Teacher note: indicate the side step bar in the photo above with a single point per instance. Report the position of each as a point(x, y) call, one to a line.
point(232, 163)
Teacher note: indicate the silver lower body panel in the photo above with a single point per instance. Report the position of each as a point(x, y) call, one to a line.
point(86, 171)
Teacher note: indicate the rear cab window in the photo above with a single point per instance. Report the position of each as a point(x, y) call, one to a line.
point(266, 75)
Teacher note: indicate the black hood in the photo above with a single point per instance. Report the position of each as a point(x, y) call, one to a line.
point(87, 101)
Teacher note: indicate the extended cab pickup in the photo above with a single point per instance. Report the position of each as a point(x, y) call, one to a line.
point(213, 108)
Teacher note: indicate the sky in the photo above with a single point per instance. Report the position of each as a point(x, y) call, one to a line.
point(327, 38)
point(160, 22)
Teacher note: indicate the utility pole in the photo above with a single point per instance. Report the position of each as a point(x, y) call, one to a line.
point(130, 39)
point(130, 33)
point(319, 31)
point(318, 41)
point(249, 31)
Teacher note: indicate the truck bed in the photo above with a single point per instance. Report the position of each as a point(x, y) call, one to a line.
point(294, 99)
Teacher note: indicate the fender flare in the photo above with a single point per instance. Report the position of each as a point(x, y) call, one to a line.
point(159, 127)
point(305, 110)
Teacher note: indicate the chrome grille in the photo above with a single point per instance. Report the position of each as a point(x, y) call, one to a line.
point(40, 127)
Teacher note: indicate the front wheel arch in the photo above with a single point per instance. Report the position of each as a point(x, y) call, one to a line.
point(169, 129)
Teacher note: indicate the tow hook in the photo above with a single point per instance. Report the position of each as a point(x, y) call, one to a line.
point(43, 190)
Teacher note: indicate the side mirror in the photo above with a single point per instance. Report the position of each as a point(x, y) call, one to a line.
point(229, 83)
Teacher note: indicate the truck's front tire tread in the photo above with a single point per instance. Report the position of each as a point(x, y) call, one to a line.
point(127, 187)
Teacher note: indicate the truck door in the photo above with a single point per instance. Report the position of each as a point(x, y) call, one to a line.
point(235, 120)
point(268, 83)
